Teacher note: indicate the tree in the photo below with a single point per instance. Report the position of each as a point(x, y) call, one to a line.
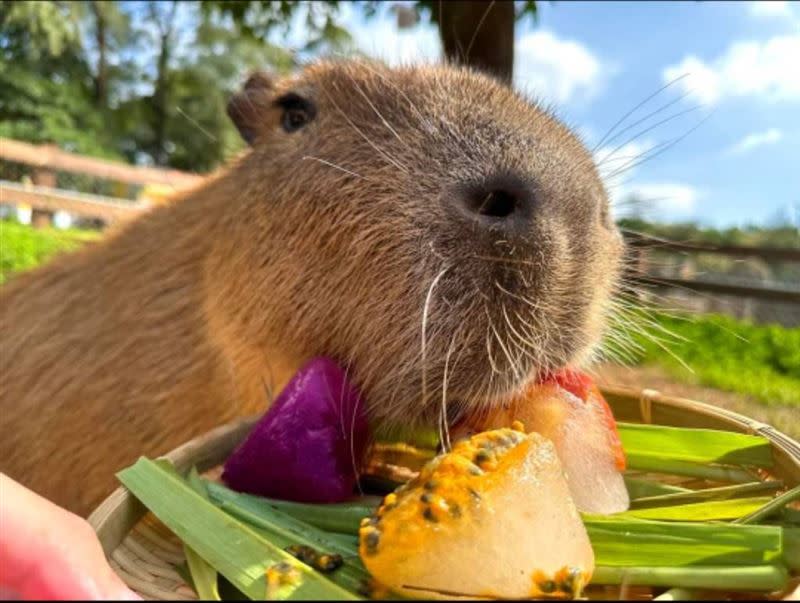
point(198, 129)
point(474, 32)
point(148, 81)
point(110, 30)
point(162, 16)
point(45, 81)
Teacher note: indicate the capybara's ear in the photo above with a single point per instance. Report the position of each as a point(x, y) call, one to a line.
point(248, 108)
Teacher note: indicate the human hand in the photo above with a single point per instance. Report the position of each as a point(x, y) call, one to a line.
point(47, 552)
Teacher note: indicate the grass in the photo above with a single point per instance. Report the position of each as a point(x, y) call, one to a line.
point(23, 247)
point(762, 361)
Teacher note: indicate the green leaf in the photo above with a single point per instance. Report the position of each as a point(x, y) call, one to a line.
point(635, 542)
point(232, 548)
point(722, 493)
point(641, 488)
point(772, 506)
point(284, 531)
point(645, 443)
point(342, 517)
point(204, 576)
point(791, 548)
point(752, 578)
point(714, 510)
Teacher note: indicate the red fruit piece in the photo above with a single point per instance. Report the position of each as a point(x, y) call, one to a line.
point(583, 386)
point(577, 383)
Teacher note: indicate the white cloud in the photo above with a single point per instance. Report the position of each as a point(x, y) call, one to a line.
point(770, 8)
point(554, 69)
point(766, 69)
point(659, 200)
point(756, 139)
point(616, 162)
point(655, 200)
point(382, 39)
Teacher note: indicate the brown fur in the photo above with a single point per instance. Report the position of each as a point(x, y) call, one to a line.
point(175, 324)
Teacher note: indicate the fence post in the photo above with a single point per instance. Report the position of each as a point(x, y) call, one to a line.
point(43, 176)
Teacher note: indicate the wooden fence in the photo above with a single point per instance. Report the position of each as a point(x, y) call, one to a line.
point(642, 246)
point(45, 199)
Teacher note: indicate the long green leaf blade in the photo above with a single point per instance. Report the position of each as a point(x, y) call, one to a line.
point(341, 517)
point(703, 446)
point(713, 510)
point(642, 488)
point(204, 576)
point(772, 506)
point(691, 496)
point(760, 577)
point(351, 575)
point(236, 551)
point(632, 542)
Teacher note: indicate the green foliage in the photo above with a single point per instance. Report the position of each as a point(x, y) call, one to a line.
point(23, 247)
point(760, 360)
point(125, 80)
point(784, 235)
point(148, 81)
point(257, 18)
point(45, 82)
point(199, 130)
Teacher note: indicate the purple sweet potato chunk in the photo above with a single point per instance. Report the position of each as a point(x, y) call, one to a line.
point(309, 444)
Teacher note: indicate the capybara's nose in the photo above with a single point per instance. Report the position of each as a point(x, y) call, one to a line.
point(501, 203)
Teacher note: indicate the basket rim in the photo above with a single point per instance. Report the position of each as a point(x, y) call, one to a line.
point(116, 516)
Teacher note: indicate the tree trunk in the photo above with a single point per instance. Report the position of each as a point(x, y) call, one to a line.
point(160, 105)
point(160, 93)
point(479, 34)
point(101, 78)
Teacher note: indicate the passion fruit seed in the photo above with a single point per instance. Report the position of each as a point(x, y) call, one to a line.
point(327, 563)
point(323, 562)
point(372, 538)
point(547, 587)
point(279, 576)
point(304, 553)
point(573, 583)
point(481, 457)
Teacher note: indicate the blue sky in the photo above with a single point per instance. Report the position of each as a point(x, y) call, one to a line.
point(597, 60)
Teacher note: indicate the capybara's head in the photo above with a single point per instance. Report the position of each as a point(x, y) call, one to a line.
point(439, 234)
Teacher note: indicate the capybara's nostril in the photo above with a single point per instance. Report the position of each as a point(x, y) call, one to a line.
point(495, 204)
point(500, 202)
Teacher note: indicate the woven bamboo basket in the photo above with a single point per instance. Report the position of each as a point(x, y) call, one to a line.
point(145, 553)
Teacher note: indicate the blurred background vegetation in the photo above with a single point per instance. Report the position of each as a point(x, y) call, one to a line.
point(147, 83)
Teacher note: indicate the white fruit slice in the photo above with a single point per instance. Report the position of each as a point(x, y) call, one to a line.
point(584, 434)
point(492, 518)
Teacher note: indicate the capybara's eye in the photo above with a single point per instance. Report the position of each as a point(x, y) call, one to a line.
point(297, 111)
